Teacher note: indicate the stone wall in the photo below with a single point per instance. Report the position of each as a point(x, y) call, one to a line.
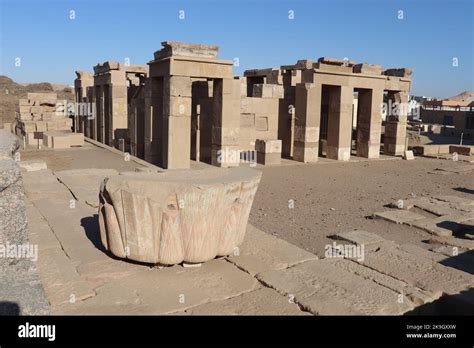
point(21, 291)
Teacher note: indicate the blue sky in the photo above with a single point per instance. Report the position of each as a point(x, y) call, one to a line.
point(431, 34)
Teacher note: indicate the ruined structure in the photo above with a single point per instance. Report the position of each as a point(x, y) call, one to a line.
point(43, 120)
point(191, 107)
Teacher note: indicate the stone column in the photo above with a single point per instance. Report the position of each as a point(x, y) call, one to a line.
point(369, 122)
point(308, 117)
point(396, 124)
point(117, 105)
point(226, 123)
point(340, 123)
point(98, 122)
point(153, 120)
point(176, 122)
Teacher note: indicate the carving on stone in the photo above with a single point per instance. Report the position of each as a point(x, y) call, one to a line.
point(176, 216)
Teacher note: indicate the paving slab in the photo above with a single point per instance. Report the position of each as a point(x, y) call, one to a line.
point(168, 290)
point(261, 251)
point(77, 229)
point(435, 206)
point(453, 242)
point(263, 301)
point(398, 216)
point(455, 199)
point(43, 183)
point(360, 237)
point(321, 287)
point(85, 183)
point(431, 226)
point(417, 270)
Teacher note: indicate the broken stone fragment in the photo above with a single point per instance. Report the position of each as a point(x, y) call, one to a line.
point(168, 218)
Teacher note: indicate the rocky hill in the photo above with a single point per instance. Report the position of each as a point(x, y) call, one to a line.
point(464, 96)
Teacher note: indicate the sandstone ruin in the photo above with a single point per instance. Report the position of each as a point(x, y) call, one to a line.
point(43, 120)
point(187, 105)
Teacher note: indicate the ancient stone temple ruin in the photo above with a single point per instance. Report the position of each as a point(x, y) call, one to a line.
point(188, 105)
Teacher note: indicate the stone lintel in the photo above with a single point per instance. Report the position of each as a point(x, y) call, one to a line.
point(257, 72)
point(84, 74)
point(336, 61)
point(175, 48)
point(401, 72)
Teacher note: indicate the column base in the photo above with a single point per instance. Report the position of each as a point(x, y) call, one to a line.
point(338, 153)
point(368, 151)
point(305, 152)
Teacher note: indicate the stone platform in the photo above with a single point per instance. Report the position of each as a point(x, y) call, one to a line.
point(264, 275)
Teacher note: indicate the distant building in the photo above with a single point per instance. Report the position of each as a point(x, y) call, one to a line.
point(455, 116)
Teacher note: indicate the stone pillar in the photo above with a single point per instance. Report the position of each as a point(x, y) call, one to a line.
point(396, 124)
point(369, 122)
point(340, 123)
point(153, 119)
point(99, 123)
point(176, 122)
point(117, 105)
point(226, 123)
point(308, 117)
point(91, 130)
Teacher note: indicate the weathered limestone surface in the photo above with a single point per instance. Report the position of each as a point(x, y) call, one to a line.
point(85, 183)
point(398, 216)
point(20, 289)
point(263, 301)
point(177, 216)
point(167, 290)
point(261, 251)
point(324, 287)
point(417, 270)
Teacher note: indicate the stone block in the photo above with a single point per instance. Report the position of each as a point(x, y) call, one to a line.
point(276, 253)
point(426, 150)
point(41, 126)
point(373, 69)
point(56, 140)
point(261, 123)
point(177, 86)
point(408, 155)
point(398, 216)
point(462, 150)
point(177, 106)
point(268, 158)
point(76, 139)
point(176, 216)
point(403, 72)
point(268, 146)
point(335, 287)
point(267, 91)
point(184, 49)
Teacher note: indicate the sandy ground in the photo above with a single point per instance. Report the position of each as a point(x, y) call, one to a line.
point(329, 196)
point(337, 197)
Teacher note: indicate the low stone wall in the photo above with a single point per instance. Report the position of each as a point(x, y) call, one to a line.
point(21, 291)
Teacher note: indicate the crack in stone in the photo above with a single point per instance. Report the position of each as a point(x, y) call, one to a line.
point(54, 234)
point(301, 307)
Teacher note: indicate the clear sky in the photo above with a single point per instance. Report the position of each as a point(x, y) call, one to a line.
point(429, 36)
